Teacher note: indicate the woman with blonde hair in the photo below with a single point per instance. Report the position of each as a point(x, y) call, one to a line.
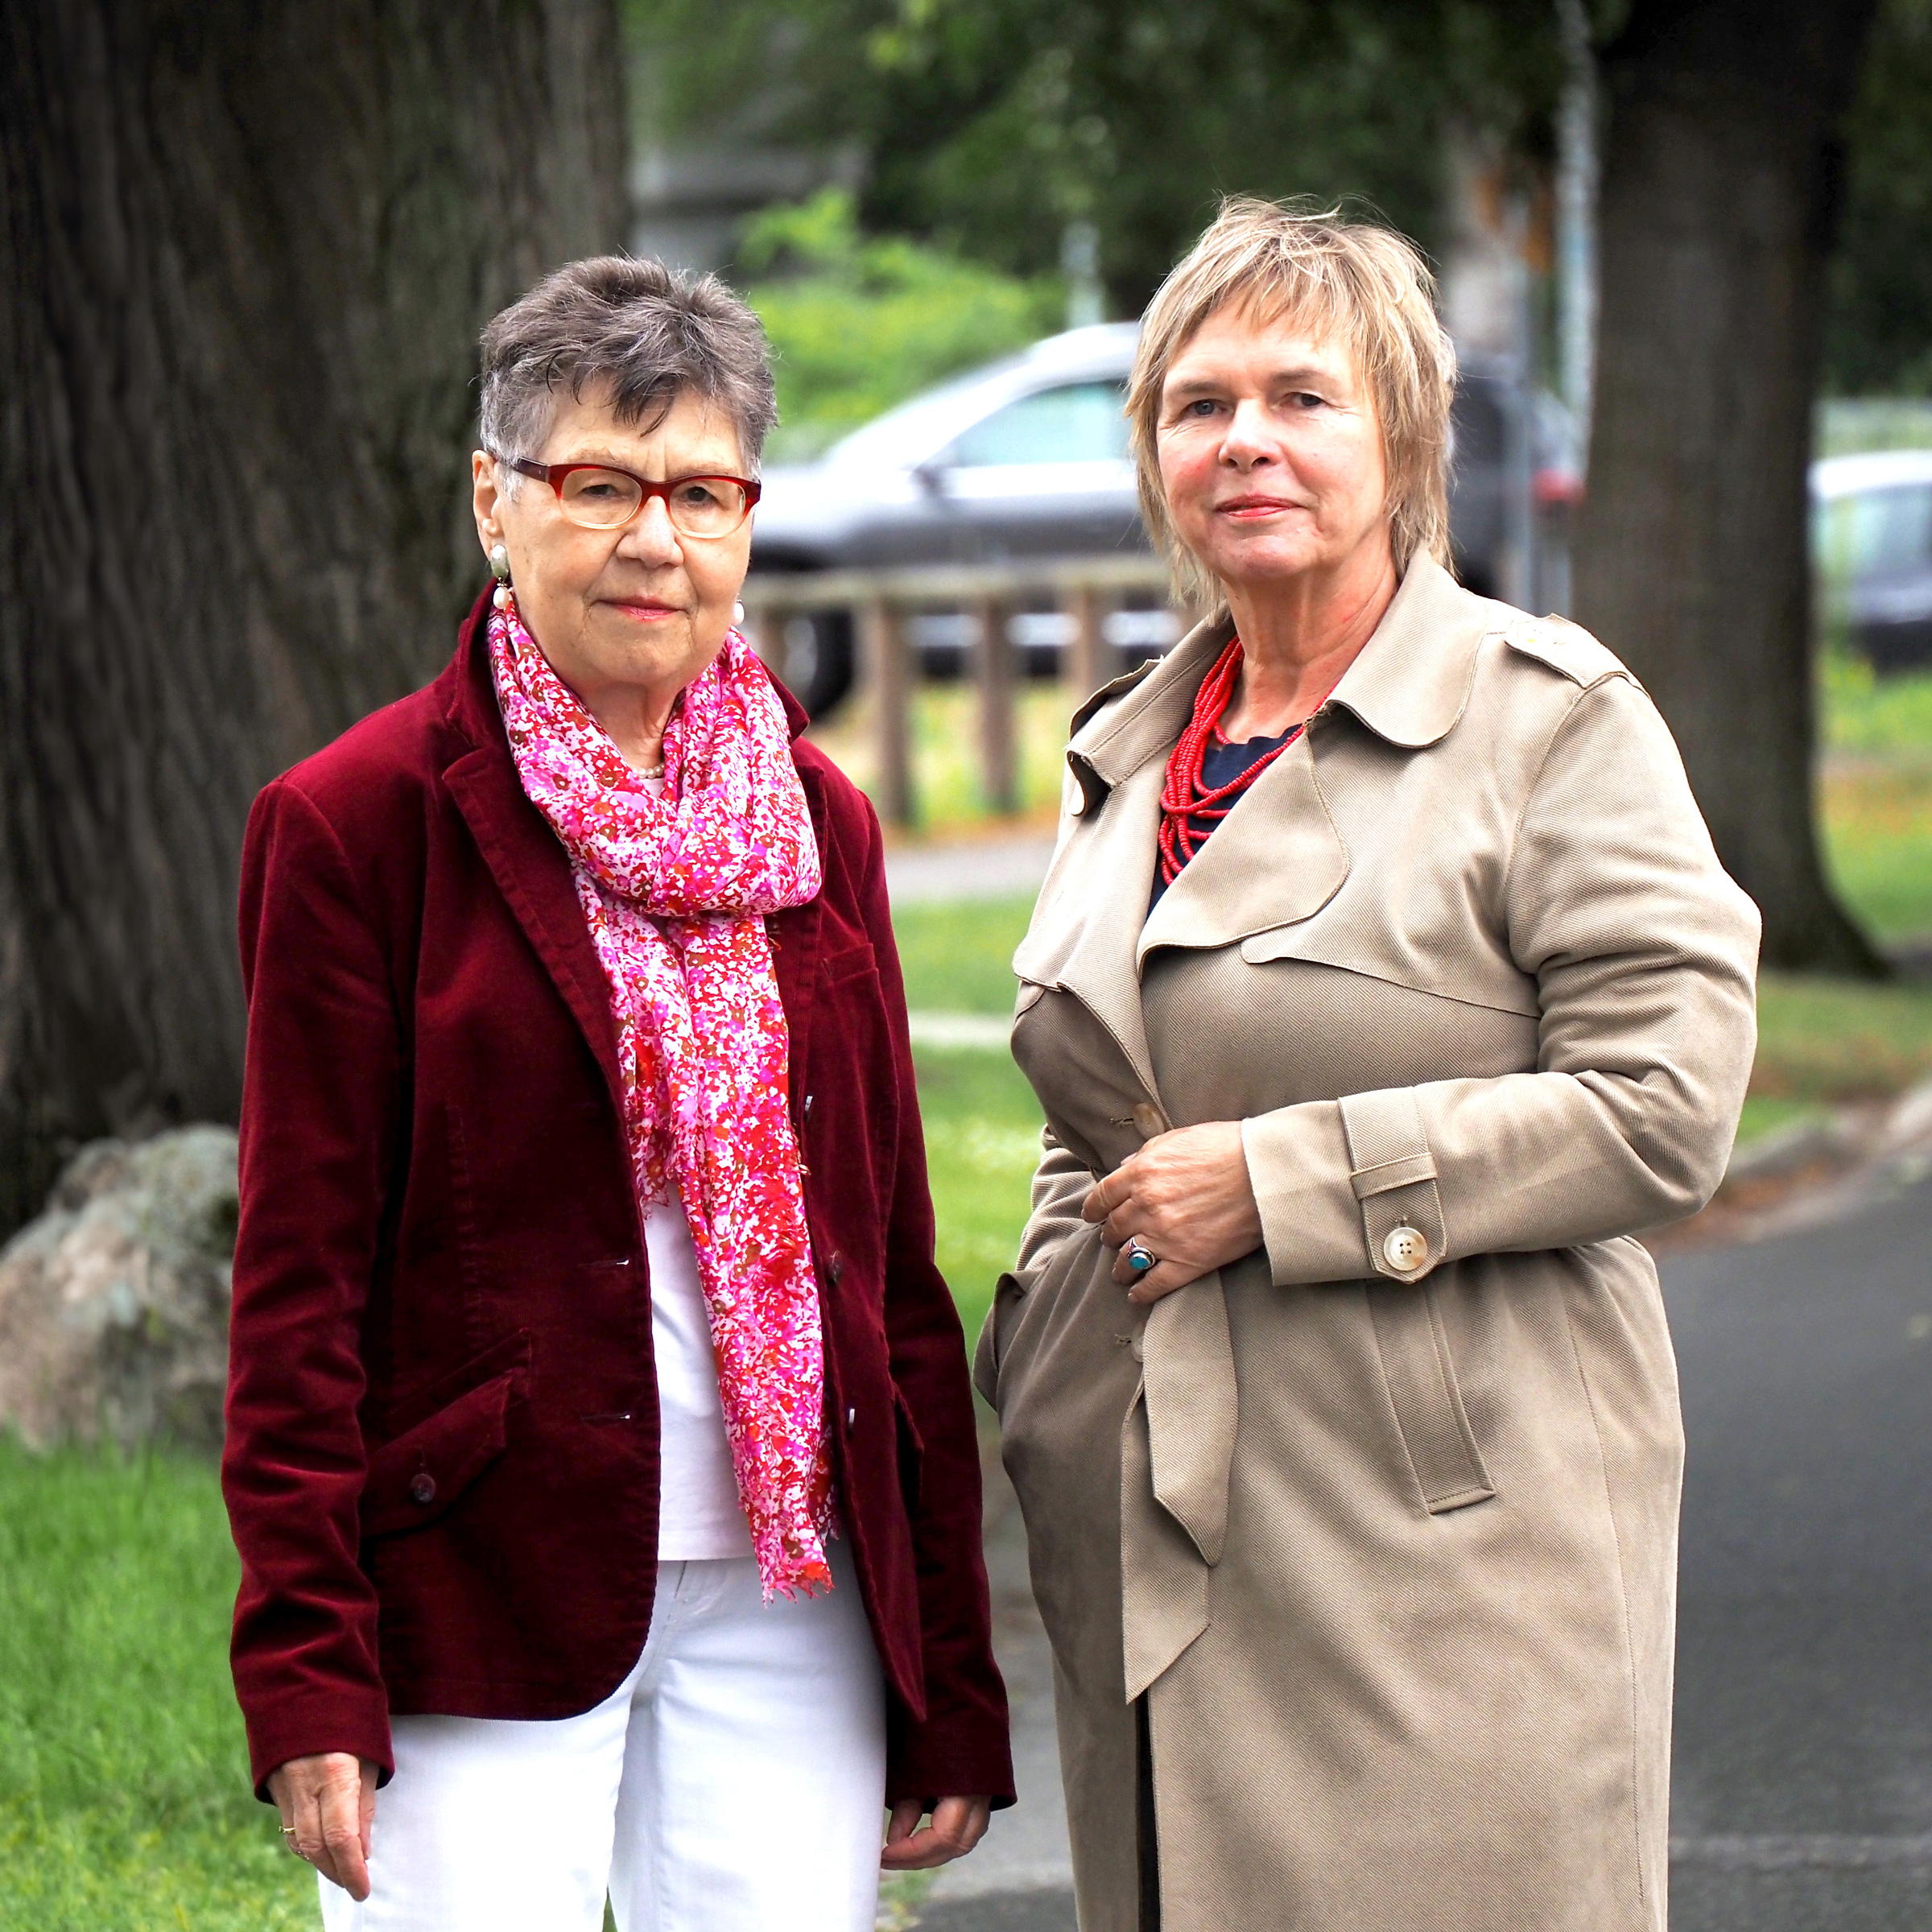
point(1384, 983)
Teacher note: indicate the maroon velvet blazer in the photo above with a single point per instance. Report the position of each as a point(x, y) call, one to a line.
point(442, 1452)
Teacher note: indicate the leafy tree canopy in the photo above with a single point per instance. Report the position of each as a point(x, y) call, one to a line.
point(1878, 334)
point(858, 324)
point(991, 125)
point(987, 126)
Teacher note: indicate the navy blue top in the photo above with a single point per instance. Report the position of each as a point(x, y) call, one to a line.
point(1221, 764)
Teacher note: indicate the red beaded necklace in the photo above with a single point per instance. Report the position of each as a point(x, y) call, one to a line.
point(1189, 810)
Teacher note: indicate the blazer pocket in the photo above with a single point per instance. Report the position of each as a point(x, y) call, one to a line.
point(1421, 1376)
point(848, 963)
point(912, 1451)
point(413, 1480)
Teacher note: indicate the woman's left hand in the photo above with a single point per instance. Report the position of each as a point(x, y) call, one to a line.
point(1186, 1194)
point(958, 1825)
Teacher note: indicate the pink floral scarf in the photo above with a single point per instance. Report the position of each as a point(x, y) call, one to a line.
point(674, 887)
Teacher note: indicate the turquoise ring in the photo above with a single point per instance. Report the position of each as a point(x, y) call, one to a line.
point(1139, 1258)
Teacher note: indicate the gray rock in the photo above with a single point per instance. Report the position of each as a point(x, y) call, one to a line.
point(114, 1303)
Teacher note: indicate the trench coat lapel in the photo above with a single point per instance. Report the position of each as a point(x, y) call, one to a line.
point(1094, 902)
point(1083, 942)
point(1276, 859)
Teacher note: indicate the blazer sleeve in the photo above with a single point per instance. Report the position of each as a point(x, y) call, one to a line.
point(320, 1113)
point(961, 1748)
point(1643, 952)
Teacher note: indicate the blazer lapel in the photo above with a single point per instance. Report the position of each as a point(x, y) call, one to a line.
point(525, 856)
point(795, 939)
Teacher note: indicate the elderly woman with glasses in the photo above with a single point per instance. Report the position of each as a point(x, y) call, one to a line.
point(600, 1449)
point(1384, 983)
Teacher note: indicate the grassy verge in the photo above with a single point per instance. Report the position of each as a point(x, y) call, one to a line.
point(982, 1144)
point(124, 1793)
point(948, 793)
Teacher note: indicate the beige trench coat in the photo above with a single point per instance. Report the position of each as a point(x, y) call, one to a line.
point(1389, 1544)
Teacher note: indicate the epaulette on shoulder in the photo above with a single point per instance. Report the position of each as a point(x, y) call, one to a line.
point(1108, 692)
point(1567, 648)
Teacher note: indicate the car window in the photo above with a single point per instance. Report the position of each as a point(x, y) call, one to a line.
point(1879, 533)
point(1077, 423)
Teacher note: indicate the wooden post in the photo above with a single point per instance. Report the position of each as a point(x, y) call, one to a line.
point(882, 634)
point(996, 709)
point(1088, 660)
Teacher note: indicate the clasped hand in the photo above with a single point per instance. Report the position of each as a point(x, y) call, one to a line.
point(1186, 1194)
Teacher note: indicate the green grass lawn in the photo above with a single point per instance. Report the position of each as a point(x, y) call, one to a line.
point(1876, 795)
point(125, 1804)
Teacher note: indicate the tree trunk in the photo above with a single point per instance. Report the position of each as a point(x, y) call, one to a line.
point(1721, 172)
point(249, 244)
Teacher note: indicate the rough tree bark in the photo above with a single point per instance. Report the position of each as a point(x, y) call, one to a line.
point(1721, 173)
point(248, 245)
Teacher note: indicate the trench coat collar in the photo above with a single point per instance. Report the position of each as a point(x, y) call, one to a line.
point(1409, 684)
point(1278, 858)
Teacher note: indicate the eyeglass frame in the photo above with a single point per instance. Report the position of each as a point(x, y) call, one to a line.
point(554, 473)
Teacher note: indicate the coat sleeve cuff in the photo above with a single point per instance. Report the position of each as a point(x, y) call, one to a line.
point(307, 1726)
point(1346, 1190)
point(965, 1756)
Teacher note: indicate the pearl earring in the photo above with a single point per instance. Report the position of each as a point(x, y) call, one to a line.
point(499, 564)
point(738, 613)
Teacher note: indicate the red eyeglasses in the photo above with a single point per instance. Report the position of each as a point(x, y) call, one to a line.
point(599, 497)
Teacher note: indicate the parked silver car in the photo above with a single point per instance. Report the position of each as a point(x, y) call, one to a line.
point(1028, 457)
point(1872, 544)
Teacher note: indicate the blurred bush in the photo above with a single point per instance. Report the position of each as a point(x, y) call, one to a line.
point(860, 323)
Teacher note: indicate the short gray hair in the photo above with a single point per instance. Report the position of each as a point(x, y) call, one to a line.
point(643, 332)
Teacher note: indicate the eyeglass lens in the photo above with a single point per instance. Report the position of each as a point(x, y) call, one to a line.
point(699, 506)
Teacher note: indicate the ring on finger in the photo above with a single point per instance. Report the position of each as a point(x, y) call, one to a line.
point(1140, 1257)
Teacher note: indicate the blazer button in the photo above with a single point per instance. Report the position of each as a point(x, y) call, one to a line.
point(1406, 1250)
point(1150, 1121)
point(423, 1488)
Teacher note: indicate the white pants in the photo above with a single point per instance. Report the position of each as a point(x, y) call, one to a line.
point(733, 1782)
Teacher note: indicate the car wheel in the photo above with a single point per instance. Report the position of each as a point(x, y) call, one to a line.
point(815, 659)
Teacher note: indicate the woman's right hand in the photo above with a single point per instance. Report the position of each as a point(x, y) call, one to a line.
point(328, 1804)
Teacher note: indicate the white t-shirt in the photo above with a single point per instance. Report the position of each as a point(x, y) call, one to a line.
point(699, 1514)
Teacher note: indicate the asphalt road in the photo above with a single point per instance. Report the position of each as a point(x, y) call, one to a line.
point(1802, 1796)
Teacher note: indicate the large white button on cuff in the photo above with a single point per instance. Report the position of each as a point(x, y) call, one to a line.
point(1406, 1250)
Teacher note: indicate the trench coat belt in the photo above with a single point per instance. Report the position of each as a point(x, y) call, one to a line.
point(1188, 1383)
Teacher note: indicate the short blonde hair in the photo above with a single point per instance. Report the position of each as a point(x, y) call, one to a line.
point(1315, 270)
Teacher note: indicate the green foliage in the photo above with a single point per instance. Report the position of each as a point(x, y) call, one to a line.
point(1879, 329)
point(957, 956)
point(858, 325)
point(983, 1144)
point(991, 125)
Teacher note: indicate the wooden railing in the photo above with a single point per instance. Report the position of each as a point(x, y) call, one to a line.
point(1086, 589)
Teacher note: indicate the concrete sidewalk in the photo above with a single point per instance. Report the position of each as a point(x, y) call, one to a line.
point(992, 868)
point(1020, 1879)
